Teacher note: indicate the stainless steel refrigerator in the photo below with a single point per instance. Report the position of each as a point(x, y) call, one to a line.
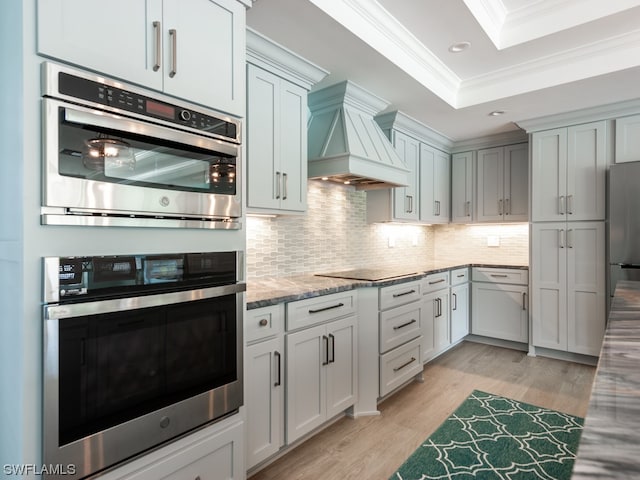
point(624, 222)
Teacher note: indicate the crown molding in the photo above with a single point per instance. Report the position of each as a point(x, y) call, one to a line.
point(498, 140)
point(403, 123)
point(576, 117)
point(598, 58)
point(265, 53)
point(368, 20)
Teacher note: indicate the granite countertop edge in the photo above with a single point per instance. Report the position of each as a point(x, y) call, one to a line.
point(268, 291)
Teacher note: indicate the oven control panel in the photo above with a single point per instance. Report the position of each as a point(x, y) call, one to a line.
point(112, 96)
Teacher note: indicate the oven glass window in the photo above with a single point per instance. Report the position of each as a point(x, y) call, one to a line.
point(126, 158)
point(118, 366)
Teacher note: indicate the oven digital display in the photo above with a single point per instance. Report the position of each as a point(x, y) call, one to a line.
point(161, 109)
point(109, 270)
point(163, 270)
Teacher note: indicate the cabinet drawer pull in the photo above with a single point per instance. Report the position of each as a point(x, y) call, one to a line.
point(433, 282)
point(561, 205)
point(277, 185)
point(455, 301)
point(157, 26)
point(325, 344)
point(324, 309)
point(333, 349)
point(284, 186)
point(173, 34)
point(524, 300)
point(278, 382)
point(570, 204)
point(499, 275)
point(408, 292)
point(263, 323)
point(398, 327)
point(396, 369)
point(462, 275)
point(500, 207)
point(467, 208)
point(507, 207)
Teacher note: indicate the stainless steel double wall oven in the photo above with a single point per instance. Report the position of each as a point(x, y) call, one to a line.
point(138, 350)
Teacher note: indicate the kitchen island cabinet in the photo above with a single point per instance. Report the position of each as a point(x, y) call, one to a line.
point(197, 55)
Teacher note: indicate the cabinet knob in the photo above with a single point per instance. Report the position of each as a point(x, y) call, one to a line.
point(264, 322)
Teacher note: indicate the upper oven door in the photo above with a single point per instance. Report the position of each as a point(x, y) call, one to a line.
point(104, 162)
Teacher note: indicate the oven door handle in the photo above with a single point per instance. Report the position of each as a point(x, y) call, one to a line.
point(86, 116)
point(57, 311)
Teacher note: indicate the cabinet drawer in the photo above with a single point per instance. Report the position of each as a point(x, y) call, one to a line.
point(401, 294)
point(501, 275)
point(399, 325)
point(263, 322)
point(399, 365)
point(311, 311)
point(434, 282)
point(459, 275)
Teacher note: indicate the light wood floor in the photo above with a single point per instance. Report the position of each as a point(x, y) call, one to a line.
point(372, 448)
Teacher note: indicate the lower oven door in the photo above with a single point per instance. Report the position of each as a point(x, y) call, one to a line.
point(123, 376)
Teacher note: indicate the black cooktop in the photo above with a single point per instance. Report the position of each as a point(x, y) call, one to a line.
point(369, 274)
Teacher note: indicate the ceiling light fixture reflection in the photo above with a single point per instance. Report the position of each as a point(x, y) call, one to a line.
point(459, 47)
point(496, 113)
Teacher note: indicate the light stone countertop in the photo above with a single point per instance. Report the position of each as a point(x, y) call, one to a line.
point(610, 442)
point(266, 291)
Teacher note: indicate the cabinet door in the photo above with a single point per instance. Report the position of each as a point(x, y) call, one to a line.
point(516, 183)
point(459, 312)
point(500, 311)
point(462, 187)
point(490, 185)
point(586, 171)
point(549, 175)
point(548, 285)
point(586, 291)
point(342, 370)
point(264, 399)
point(429, 312)
point(206, 51)
point(293, 146)
point(428, 200)
point(442, 186)
point(81, 32)
point(263, 147)
point(306, 381)
point(406, 199)
point(628, 139)
point(441, 322)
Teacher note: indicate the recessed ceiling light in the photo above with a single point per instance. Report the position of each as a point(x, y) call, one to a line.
point(496, 113)
point(459, 47)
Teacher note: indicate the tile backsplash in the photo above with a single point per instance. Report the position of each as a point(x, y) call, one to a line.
point(334, 235)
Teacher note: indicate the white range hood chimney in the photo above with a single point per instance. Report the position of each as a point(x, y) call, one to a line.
point(345, 143)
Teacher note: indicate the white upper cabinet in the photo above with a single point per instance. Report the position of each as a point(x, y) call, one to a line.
point(406, 199)
point(194, 53)
point(628, 139)
point(277, 84)
point(502, 184)
point(569, 173)
point(276, 142)
point(462, 204)
point(435, 178)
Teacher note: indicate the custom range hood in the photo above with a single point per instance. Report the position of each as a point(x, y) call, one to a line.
point(346, 145)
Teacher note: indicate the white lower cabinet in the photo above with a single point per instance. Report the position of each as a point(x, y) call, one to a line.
point(213, 453)
point(400, 334)
point(500, 304)
point(321, 374)
point(459, 303)
point(264, 399)
point(436, 331)
point(264, 383)
point(568, 286)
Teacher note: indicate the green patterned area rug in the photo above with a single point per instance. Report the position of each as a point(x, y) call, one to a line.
point(491, 437)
